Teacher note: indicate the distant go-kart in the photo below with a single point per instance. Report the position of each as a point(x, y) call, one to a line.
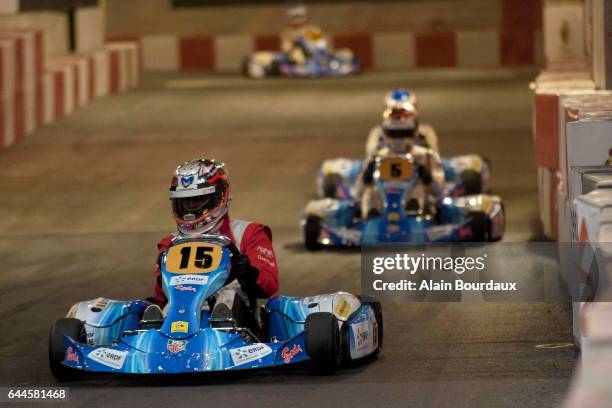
point(467, 174)
point(111, 336)
point(320, 62)
point(338, 221)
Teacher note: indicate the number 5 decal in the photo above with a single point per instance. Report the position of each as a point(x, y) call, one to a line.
point(193, 257)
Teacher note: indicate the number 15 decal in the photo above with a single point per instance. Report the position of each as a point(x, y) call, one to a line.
point(193, 257)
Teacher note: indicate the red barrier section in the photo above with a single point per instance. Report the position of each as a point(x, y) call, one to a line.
point(360, 44)
point(516, 48)
point(520, 20)
point(267, 42)
point(19, 115)
point(114, 71)
point(91, 80)
point(196, 53)
point(547, 130)
point(58, 92)
point(436, 49)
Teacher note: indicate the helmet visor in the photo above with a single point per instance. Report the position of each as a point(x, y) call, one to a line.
point(399, 133)
point(192, 208)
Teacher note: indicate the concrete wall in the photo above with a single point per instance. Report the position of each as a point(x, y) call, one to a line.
point(144, 17)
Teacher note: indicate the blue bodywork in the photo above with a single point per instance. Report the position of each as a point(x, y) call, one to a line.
point(320, 62)
point(340, 222)
point(350, 170)
point(186, 343)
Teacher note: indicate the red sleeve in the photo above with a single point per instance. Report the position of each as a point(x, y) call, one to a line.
point(160, 297)
point(257, 246)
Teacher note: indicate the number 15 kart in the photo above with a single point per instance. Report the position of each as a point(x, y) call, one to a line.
point(339, 222)
point(110, 336)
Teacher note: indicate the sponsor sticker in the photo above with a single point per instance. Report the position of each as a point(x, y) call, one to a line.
point(246, 354)
point(185, 288)
point(343, 308)
point(287, 354)
point(363, 340)
point(108, 357)
point(71, 355)
point(186, 181)
point(189, 280)
point(179, 327)
point(176, 346)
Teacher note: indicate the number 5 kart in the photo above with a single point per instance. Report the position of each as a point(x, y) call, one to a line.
point(339, 222)
point(109, 336)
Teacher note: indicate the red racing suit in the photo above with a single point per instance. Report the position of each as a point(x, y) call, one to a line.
point(252, 239)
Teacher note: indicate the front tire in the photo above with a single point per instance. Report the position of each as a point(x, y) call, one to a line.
point(323, 342)
point(312, 231)
point(73, 328)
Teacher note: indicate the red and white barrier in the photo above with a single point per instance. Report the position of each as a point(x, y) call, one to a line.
point(34, 93)
point(21, 54)
point(73, 81)
point(549, 129)
point(463, 49)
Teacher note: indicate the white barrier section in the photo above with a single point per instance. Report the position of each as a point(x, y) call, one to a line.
point(231, 49)
point(160, 52)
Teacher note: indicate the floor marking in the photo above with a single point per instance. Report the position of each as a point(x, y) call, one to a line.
point(555, 345)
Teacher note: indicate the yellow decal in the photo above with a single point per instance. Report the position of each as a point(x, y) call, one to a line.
point(395, 169)
point(193, 257)
point(179, 327)
point(343, 308)
point(393, 217)
point(477, 165)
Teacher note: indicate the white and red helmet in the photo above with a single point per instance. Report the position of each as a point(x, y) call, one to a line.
point(297, 14)
point(200, 193)
point(400, 124)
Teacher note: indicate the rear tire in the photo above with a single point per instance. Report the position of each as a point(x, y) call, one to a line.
point(73, 328)
point(330, 184)
point(323, 342)
point(244, 67)
point(481, 227)
point(472, 182)
point(312, 230)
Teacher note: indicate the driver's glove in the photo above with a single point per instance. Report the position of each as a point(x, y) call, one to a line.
point(246, 274)
point(424, 175)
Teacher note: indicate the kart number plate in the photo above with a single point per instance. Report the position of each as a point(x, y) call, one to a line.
point(395, 169)
point(193, 257)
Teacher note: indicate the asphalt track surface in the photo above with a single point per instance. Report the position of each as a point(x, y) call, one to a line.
point(83, 202)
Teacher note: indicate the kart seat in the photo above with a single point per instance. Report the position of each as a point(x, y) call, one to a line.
point(152, 318)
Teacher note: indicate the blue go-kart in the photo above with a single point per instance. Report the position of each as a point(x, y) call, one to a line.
point(338, 221)
point(467, 174)
point(319, 62)
point(108, 336)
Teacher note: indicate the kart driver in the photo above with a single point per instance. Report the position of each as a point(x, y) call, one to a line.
point(200, 194)
point(399, 126)
point(293, 38)
point(425, 135)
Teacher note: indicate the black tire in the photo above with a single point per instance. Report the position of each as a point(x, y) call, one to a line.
point(481, 227)
point(312, 230)
point(472, 182)
point(330, 183)
point(323, 342)
point(73, 328)
point(244, 67)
